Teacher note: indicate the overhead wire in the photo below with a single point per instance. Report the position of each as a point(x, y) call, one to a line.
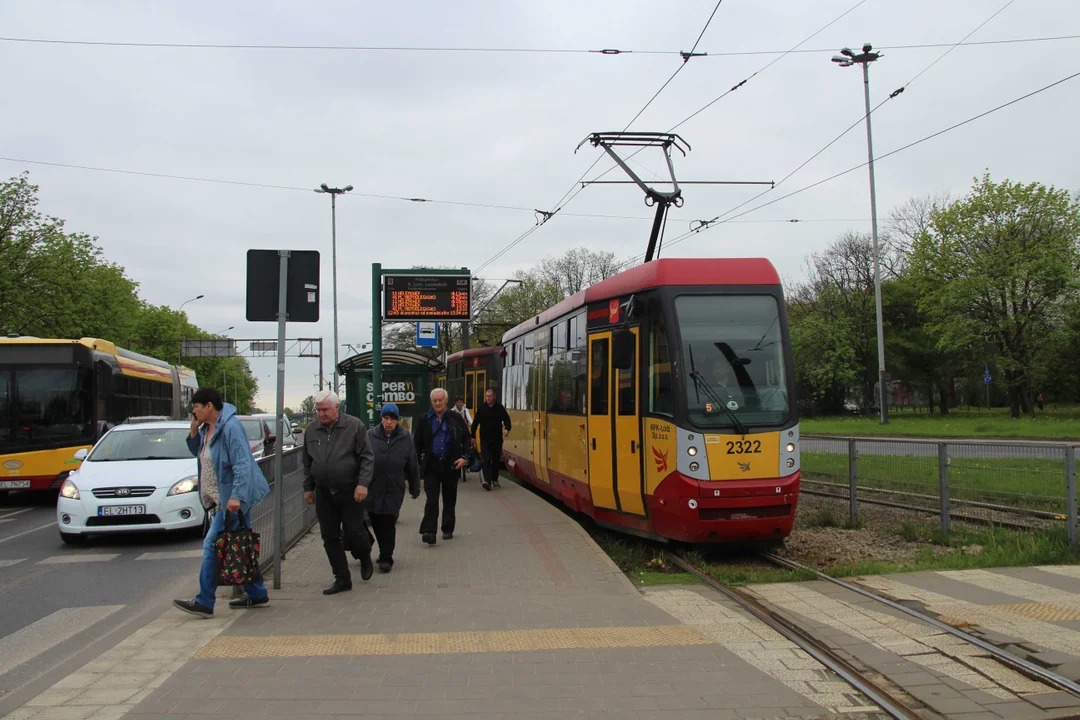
point(707, 223)
point(574, 190)
point(521, 50)
point(712, 223)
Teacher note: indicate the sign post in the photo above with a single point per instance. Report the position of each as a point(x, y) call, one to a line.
point(297, 298)
point(417, 295)
point(987, 379)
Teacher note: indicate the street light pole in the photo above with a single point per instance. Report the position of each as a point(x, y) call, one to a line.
point(334, 192)
point(180, 350)
point(846, 59)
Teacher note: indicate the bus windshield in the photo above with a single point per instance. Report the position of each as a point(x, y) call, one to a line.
point(44, 407)
point(733, 355)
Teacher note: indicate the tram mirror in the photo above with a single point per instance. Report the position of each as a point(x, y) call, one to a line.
point(622, 349)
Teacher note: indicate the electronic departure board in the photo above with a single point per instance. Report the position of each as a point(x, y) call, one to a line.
point(426, 297)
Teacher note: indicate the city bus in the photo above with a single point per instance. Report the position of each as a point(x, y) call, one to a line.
point(60, 396)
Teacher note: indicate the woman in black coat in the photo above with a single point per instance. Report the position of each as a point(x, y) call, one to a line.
point(395, 465)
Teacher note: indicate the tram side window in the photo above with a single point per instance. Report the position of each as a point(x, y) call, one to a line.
point(600, 382)
point(661, 395)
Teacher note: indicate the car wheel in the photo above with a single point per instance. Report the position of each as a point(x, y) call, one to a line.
point(73, 538)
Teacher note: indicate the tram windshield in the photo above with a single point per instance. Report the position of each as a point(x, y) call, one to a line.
point(733, 357)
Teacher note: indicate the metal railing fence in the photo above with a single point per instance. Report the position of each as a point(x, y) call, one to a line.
point(1025, 485)
point(299, 516)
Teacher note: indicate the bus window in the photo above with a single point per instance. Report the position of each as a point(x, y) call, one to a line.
point(5, 405)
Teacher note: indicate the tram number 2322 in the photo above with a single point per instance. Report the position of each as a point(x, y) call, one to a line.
point(743, 447)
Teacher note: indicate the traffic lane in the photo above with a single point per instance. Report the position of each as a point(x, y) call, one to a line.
point(44, 575)
point(25, 512)
point(957, 448)
point(59, 600)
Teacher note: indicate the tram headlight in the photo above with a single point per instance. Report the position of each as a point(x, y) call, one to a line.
point(694, 467)
point(791, 462)
point(691, 450)
point(692, 503)
point(790, 448)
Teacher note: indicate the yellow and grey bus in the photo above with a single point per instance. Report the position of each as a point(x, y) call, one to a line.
point(59, 396)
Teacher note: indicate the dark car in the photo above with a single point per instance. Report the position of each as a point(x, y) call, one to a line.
point(259, 435)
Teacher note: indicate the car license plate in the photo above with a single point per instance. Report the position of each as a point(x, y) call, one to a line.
point(14, 484)
point(108, 510)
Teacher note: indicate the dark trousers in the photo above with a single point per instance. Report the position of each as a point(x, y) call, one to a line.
point(441, 477)
point(335, 509)
point(491, 452)
point(385, 534)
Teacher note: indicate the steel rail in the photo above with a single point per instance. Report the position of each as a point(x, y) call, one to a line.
point(808, 644)
point(1019, 664)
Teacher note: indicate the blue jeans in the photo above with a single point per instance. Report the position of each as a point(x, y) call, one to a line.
point(207, 579)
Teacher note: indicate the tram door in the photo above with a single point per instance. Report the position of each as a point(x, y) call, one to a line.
point(601, 458)
point(540, 426)
point(628, 434)
point(475, 386)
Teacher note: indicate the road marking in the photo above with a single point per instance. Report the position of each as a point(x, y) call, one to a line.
point(175, 555)
point(16, 512)
point(48, 632)
point(9, 563)
point(4, 520)
point(27, 532)
point(60, 559)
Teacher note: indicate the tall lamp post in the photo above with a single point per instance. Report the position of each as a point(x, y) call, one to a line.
point(847, 58)
point(334, 192)
point(180, 350)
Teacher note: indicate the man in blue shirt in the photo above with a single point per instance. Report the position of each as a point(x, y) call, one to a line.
point(442, 443)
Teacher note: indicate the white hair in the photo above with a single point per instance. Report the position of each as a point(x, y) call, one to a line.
point(436, 391)
point(324, 395)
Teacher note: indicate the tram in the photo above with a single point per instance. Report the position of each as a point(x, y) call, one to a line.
point(661, 403)
point(469, 374)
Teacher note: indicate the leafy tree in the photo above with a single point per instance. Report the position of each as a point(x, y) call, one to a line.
point(1000, 265)
point(307, 405)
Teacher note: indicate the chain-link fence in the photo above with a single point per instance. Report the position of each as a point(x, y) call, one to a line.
point(1025, 486)
point(299, 516)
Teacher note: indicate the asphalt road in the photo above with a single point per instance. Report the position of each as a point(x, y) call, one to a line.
point(59, 601)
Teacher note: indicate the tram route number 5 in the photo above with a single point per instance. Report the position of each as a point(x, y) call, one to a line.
point(744, 447)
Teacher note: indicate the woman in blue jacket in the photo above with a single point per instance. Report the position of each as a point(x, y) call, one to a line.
point(227, 471)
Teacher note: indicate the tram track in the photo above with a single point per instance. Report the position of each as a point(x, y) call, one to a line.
point(881, 697)
point(1020, 665)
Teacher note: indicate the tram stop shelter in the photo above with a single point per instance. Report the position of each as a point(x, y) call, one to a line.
point(407, 380)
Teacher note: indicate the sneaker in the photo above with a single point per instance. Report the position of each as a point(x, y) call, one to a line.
point(496, 483)
point(385, 567)
point(193, 608)
point(247, 602)
point(429, 538)
point(486, 485)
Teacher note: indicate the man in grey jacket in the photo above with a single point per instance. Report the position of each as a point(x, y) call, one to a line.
point(338, 465)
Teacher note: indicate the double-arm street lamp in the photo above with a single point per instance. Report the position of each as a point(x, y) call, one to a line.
point(847, 58)
point(334, 192)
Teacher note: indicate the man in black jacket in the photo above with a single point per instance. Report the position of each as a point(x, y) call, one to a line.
point(442, 443)
point(338, 465)
point(494, 424)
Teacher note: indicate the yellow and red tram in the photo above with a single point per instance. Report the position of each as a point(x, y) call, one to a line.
point(661, 402)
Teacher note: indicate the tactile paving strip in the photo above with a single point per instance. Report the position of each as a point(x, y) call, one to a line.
point(451, 642)
point(1047, 612)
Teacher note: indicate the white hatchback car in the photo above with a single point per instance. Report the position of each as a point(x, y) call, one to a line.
point(137, 478)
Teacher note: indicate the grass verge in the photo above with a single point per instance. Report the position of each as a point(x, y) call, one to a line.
point(1052, 424)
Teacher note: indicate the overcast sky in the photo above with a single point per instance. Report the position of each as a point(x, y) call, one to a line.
point(499, 128)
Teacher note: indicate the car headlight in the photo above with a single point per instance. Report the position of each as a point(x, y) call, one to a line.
point(188, 484)
point(69, 490)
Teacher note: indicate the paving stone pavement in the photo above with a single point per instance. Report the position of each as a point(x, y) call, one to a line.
point(519, 615)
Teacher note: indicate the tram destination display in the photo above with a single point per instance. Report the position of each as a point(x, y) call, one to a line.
point(445, 298)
